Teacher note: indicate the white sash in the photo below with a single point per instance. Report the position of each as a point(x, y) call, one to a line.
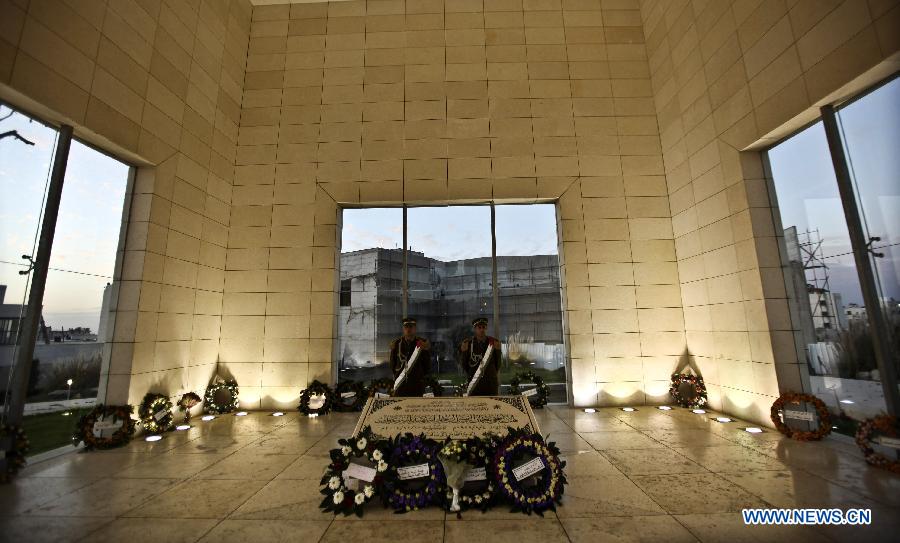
point(409, 365)
point(480, 371)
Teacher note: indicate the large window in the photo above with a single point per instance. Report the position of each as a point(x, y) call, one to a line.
point(66, 364)
point(449, 278)
point(827, 288)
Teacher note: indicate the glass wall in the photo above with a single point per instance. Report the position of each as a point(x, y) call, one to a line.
point(825, 285)
point(449, 266)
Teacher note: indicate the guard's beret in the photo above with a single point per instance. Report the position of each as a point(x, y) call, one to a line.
point(480, 320)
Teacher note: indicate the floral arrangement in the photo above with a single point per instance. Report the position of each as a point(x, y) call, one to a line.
point(411, 494)
point(459, 459)
point(316, 388)
point(340, 495)
point(344, 401)
point(84, 428)
point(432, 385)
point(538, 400)
point(210, 405)
point(794, 398)
point(155, 413)
point(384, 386)
point(697, 400)
point(15, 456)
point(516, 450)
point(886, 425)
point(187, 401)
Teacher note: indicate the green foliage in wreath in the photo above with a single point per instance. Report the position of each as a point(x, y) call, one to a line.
point(350, 396)
point(477, 453)
point(432, 385)
point(84, 428)
point(538, 492)
point(346, 496)
point(210, 405)
point(155, 413)
point(384, 386)
point(537, 400)
point(15, 456)
point(698, 387)
point(316, 388)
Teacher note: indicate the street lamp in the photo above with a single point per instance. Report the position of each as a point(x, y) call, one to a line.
point(68, 393)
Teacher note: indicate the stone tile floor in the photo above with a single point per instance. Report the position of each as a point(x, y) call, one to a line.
point(647, 475)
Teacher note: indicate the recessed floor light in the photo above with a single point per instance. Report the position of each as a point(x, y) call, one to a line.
point(847, 401)
point(278, 414)
point(723, 419)
point(152, 438)
point(590, 410)
point(664, 408)
point(628, 409)
point(698, 411)
point(208, 417)
point(183, 427)
point(240, 414)
point(753, 430)
point(313, 415)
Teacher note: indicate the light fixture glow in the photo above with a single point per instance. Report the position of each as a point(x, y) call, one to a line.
point(66, 413)
point(240, 414)
point(590, 410)
point(629, 409)
point(753, 430)
point(278, 414)
point(152, 438)
point(183, 427)
point(208, 417)
point(847, 401)
point(699, 411)
point(313, 415)
point(723, 419)
point(664, 408)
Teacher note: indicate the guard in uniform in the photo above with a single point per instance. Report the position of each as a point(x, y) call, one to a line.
point(401, 349)
point(471, 351)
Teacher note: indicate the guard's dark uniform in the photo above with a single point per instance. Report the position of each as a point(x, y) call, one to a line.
point(401, 350)
point(470, 354)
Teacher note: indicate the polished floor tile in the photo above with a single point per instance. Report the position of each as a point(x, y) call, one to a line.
point(627, 529)
point(49, 529)
point(198, 498)
point(649, 461)
point(380, 531)
point(685, 493)
point(154, 530)
point(506, 531)
point(105, 498)
point(614, 495)
point(268, 531)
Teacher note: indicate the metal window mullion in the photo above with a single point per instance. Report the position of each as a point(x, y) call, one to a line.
point(495, 290)
point(877, 323)
point(405, 286)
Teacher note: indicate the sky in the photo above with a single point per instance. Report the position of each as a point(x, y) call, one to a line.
point(808, 195)
point(87, 229)
point(454, 233)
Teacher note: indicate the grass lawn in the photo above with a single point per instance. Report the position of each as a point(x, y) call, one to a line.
point(50, 430)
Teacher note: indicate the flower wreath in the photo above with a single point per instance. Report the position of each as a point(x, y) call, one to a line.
point(478, 453)
point(824, 417)
point(432, 385)
point(538, 400)
point(187, 401)
point(548, 488)
point(410, 450)
point(385, 386)
point(339, 497)
point(316, 388)
point(15, 456)
point(84, 428)
point(359, 395)
point(698, 400)
point(209, 398)
point(883, 424)
point(155, 413)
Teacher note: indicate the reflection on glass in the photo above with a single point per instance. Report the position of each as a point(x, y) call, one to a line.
point(371, 294)
point(530, 306)
point(824, 284)
point(449, 278)
point(871, 135)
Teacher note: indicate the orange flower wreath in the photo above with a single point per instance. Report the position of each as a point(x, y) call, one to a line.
point(885, 424)
point(794, 398)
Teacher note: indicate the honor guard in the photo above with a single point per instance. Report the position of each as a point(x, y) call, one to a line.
point(402, 349)
point(471, 352)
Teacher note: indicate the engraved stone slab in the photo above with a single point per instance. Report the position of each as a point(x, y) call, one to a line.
point(438, 418)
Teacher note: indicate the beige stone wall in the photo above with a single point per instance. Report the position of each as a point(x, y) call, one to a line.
point(728, 79)
point(426, 101)
point(158, 83)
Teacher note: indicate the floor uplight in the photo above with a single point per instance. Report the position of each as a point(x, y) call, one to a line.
point(753, 430)
point(208, 417)
point(664, 408)
point(723, 419)
point(313, 415)
point(629, 409)
point(183, 427)
point(152, 438)
point(590, 410)
point(847, 401)
point(278, 414)
point(699, 411)
point(240, 414)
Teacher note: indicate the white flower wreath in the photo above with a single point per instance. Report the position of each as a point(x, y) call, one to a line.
point(340, 497)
